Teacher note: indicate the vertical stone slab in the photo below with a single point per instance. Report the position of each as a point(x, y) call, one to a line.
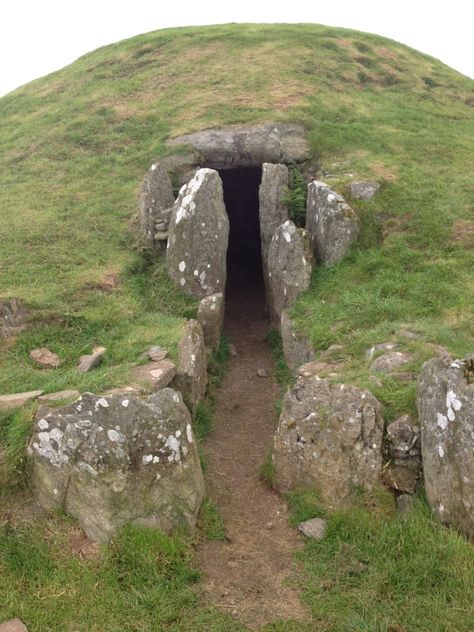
point(290, 263)
point(297, 349)
point(272, 211)
point(211, 317)
point(331, 223)
point(156, 202)
point(198, 236)
point(191, 378)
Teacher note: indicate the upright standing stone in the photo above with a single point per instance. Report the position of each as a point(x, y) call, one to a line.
point(273, 212)
point(191, 377)
point(290, 263)
point(445, 402)
point(297, 349)
point(115, 460)
point(211, 317)
point(331, 223)
point(198, 236)
point(156, 202)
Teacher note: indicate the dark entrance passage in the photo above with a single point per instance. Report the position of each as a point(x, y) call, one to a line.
point(244, 257)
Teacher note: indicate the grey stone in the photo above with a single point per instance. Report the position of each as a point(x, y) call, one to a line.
point(59, 396)
point(445, 401)
point(248, 145)
point(331, 223)
point(364, 190)
point(290, 263)
point(14, 625)
point(314, 528)
point(233, 351)
point(13, 317)
point(198, 236)
point(261, 372)
point(403, 475)
point(45, 358)
point(391, 361)
point(273, 212)
point(155, 354)
point(18, 400)
point(380, 348)
point(183, 166)
point(161, 236)
point(156, 196)
point(191, 377)
point(89, 362)
point(211, 317)
point(323, 369)
point(297, 349)
point(116, 460)
point(404, 438)
point(156, 375)
point(329, 437)
point(405, 503)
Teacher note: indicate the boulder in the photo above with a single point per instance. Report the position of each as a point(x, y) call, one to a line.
point(116, 460)
point(191, 377)
point(17, 400)
point(198, 236)
point(364, 190)
point(89, 362)
point(331, 223)
point(211, 317)
point(45, 358)
point(297, 349)
point(248, 145)
point(273, 212)
point(329, 437)
point(445, 400)
point(13, 316)
point(156, 201)
point(290, 263)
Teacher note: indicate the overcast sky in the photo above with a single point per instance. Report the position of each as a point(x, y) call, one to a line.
point(39, 36)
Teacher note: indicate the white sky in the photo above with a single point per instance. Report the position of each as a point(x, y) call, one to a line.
point(40, 36)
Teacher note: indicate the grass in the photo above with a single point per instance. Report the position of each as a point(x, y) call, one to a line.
point(74, 147)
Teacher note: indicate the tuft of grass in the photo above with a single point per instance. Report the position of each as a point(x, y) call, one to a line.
point(210, 522)
point(267, 471)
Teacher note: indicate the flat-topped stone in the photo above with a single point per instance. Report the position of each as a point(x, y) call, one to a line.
point(17, 400)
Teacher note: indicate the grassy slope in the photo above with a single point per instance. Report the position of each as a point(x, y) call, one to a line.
point(73, 149)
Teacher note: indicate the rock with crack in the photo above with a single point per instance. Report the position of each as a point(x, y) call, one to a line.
point(249, 145)
point(191, 376)
point(445, 401)
point(331, 223)
point(211, 317)
point(297, 349)
point(273, 212)
point(329, 437)
point(290, 263)
point(116, 460)
point(156, 202)
point(198, 236)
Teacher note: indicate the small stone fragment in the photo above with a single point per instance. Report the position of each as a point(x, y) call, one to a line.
point(17, 400)
point(364, 190)
point(155, 354)
point(14, 625)
point(314, 528)
point(59, 396)
point(45, 358)
point(261, 372)
point(157, 374)
point(381, 347)
point(233, 350)
point(89, 362)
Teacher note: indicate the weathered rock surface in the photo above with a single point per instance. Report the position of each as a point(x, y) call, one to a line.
point(198, 236)
point(329, 437)
point(249, 145)
point(445, 401)
point(45, 358)
point(191, 377)
point(156, 202)
point(273, 212)
point(59, 396)
point(13, 316)
point(156, 354)
point(110, 461)
point(331, 223)
point(314, 528)
point(89, 362)
point(297, 349)
point(290, 263)
point(391, 361)
point(380, 348)
point(17, 400)
point(364, 190)
point(14, 625)
point(404, 468)
point(211, 317)
point(156, 375)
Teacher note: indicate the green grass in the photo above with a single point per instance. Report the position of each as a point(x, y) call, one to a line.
point(74, 147)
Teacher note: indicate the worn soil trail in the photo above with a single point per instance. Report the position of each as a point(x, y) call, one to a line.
point(247, 575)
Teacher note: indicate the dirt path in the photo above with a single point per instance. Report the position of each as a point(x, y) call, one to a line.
point(247, 575)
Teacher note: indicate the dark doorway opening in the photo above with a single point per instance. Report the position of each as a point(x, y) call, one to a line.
point(245, 286)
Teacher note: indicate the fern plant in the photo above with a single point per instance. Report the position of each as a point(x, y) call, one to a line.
point(294, 196)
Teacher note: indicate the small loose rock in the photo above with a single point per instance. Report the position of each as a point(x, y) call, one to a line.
point(89, 362)
point(45, 358)
point(233, 351)
point(262, 372)
point(314, 528)
point(155, 354)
